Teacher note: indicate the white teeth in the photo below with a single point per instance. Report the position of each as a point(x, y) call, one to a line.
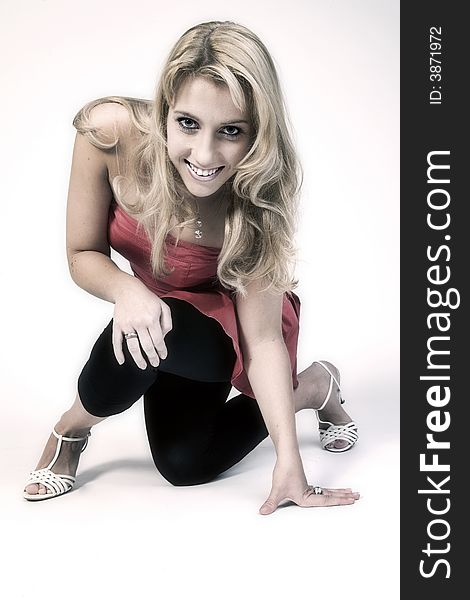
point(201, 172)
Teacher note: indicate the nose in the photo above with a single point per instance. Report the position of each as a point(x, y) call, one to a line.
point(205, 151)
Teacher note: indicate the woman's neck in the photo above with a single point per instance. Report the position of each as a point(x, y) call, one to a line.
point(208, 207)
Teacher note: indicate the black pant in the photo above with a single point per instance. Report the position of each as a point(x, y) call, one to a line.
point(193, 432)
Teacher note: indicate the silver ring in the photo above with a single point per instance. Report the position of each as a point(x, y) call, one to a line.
point(317, 490)
point(128, 336)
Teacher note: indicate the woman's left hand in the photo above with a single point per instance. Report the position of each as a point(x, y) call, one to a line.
point(289, 483)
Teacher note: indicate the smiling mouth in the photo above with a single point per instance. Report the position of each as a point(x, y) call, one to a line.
point(203, 173)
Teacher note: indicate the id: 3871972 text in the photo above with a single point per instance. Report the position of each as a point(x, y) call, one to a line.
point(435, 66)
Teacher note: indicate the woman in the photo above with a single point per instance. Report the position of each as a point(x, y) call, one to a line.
point(212, 306)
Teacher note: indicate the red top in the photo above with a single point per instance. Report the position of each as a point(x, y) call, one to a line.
point(194, 280)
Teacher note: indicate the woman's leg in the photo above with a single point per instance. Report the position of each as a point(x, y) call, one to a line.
point(75, 422)
point(198, 369)
point(194, 434)
point(198, 348)
point(106, 388)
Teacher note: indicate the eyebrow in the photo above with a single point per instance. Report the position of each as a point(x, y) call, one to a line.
point(187, 114)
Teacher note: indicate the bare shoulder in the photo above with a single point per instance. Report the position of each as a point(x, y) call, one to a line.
point(111, 119)
point(114, 124)
point(105, 123)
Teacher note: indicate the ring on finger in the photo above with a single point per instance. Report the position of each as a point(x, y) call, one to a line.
point(317, 490)
point(130, 335)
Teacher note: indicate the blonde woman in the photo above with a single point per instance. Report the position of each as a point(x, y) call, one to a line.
point(198, 189)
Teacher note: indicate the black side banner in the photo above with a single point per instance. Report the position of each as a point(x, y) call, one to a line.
point(434, 297)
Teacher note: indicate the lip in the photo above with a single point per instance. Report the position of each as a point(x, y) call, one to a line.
point(201, 177)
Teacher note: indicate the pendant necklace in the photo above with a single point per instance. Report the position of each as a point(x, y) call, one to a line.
point(198, 233)
point(198, 230)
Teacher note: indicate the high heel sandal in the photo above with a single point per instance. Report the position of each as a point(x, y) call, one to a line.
point(334, 432)
point(57, 484)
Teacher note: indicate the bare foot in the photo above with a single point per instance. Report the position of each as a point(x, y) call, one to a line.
point(333, 412)
point(67, 461)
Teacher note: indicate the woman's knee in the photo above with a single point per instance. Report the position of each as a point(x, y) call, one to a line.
point(180, 465)
point(107, 388)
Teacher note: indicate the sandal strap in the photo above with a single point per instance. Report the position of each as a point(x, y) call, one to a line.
point(56, 483)
point(339, 432)
point(70, 439)
point(332, 378)
point(62, 438)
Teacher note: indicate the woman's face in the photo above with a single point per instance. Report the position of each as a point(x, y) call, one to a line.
point(207, 136)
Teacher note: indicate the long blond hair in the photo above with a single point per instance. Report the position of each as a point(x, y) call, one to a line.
point(262, 212)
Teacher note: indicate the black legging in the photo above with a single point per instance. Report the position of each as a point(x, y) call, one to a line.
point(194, 433)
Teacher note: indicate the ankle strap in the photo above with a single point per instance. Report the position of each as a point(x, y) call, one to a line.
point(70, 439)
point(329, 371)
point(330, 387)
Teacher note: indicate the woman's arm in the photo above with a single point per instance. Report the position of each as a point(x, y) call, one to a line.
point(88, 201)
point(136, 308)
point(89, 198)
point(268, 367)
point(267, 364)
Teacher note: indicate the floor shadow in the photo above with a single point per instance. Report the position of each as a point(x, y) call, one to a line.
point(94, 473)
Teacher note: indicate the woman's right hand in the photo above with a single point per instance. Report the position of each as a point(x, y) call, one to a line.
point(139, 310)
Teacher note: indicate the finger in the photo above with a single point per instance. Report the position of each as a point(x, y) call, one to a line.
point(326, 500)
point(134, 350)
point(331, 493)
point(269, 506)
point(156, 336)
point(339, 494)
point(338, 500)
point(166, 322)
point(117, 344)
point(352, 495)
point(148, 347)
point(340, 490)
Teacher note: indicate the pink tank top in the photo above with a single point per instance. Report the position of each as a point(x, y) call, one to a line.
point(194, 280)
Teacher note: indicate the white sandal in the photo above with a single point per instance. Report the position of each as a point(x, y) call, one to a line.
point(56, 484)
point(334, 432)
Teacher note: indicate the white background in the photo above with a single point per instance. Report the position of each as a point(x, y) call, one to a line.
point(124, 530)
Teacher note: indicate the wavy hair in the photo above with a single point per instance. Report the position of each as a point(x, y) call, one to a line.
point(262, 212)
